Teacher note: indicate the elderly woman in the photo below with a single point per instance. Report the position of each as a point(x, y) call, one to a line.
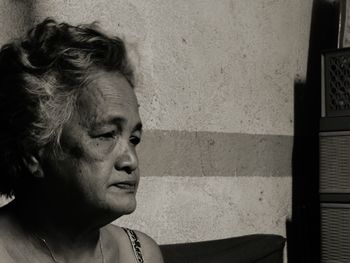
point(68, 148)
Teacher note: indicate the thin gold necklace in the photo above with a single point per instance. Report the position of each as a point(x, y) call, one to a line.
point(53, 256)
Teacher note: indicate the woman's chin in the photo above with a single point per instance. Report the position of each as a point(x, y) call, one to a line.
point(123, 206)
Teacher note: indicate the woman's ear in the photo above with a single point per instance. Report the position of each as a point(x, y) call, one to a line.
point(33, 165)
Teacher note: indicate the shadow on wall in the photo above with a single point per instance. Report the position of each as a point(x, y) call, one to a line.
point(303, 231)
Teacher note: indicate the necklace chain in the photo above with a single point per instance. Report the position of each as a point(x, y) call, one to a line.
point(53, 256)
point(48, 248)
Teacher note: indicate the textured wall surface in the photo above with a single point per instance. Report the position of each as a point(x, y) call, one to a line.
point(215, 84)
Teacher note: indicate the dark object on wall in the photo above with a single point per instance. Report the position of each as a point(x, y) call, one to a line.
point(303, 229)
point(335, 192)
point(335, 157)
point(335, 94)
point(335, 225)
point(245, 249)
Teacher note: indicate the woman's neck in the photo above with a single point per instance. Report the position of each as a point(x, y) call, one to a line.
point(64, 234)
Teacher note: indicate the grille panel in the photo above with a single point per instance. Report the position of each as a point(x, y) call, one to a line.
point(335, 238)
point(335, 164)
point(337, 82)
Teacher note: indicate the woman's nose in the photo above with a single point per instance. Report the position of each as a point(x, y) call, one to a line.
point(127, 160)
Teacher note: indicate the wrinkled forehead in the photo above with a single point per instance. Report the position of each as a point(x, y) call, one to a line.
point(108, 94)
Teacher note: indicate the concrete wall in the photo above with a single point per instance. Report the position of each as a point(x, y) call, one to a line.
point(215, 84)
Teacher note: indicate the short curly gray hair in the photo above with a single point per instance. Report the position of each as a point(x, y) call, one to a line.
point(40, 79)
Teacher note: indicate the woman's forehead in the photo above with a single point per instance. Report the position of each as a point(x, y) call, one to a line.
point(107, 96)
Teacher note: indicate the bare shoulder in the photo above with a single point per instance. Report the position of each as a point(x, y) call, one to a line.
point(150, 249)
point(7, 236)
point(114, 230)
point(4, 255)
point(7, 225)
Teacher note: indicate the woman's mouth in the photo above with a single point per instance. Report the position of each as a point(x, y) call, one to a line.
point(127, 186)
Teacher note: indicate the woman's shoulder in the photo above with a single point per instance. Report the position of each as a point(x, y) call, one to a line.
point(149, 248)
point(9, 238)
point(8, 226)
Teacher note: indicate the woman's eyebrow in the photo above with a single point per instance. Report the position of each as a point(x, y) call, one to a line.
point(138, 127)
point(119, 121)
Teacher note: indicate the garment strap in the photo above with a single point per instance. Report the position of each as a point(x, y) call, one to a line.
point(135, 244)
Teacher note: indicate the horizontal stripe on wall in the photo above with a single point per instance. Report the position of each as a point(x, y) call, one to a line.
point(186, 153)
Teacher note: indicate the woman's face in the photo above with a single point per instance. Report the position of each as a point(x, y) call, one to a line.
point(97, 167)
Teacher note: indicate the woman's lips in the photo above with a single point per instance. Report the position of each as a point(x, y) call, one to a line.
point(128, 186)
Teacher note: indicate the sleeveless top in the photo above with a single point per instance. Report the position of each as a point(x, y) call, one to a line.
point(135, 244)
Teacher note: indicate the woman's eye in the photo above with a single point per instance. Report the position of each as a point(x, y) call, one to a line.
point(135, 140)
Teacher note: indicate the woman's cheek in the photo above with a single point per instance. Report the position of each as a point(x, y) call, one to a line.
point(100, 149)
